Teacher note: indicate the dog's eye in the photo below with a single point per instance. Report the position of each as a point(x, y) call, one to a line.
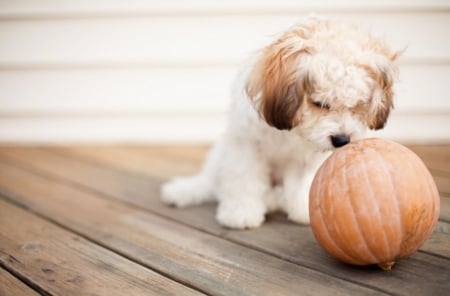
point(321, 105)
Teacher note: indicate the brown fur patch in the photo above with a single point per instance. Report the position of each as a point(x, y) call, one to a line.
point(281, 90)
point(382, 101)
point(277, 81)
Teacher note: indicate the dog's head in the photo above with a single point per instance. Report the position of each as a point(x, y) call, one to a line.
point(325, 80)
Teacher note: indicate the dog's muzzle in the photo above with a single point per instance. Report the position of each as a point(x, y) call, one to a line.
point(339, 140)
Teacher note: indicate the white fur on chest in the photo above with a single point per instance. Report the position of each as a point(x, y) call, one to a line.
point(278, 148)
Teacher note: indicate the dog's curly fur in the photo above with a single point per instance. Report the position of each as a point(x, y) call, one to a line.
point(321, 84)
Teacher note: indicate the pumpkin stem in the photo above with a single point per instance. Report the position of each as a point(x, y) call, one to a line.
point(386, 266)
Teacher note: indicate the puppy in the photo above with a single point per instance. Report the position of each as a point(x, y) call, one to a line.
point(320, 85)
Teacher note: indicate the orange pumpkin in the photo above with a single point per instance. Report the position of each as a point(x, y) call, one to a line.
point(373, 201)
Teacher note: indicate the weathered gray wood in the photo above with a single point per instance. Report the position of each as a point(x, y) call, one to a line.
point(439, 242)
point(62, 263)
point(445, 209)
point(102, 168)
point(11, 286)
point(188, 160)
point(210, 263)
point(278, 237)
point(437, 158)
point(443, 184)
point(152, 161)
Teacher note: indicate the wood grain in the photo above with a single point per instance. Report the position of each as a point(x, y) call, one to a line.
point(207, 262)
point(154, 161)
point(11, 286)
point(63, 263)
point(278, 237)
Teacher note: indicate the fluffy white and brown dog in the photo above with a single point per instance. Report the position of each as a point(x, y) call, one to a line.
point(320, 85)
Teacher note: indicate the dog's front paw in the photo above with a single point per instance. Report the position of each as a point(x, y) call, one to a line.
point(299, 218)
point(239, 215)
point(172, 194)
point(183, 192)
point(299, 213)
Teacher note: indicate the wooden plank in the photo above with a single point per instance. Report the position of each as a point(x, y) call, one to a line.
point(11, 286)
point(437, 158)
point(62, 263)
point(445, 209)
point(159, 167)
point(142, 160)
point(152, 161)
point(188, 159)
point(209, 263)
point(196, 153)
point(285, 240)
point(443, 184)
point(438, 243)
point(432, 151)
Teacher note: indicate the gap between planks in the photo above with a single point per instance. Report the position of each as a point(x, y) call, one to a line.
point(162, 163)
point(444, 211)
point(12, 286)
point(58, 262)
point(203, 259)
point(230, 236)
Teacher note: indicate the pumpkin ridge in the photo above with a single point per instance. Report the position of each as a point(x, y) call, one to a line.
point(372, 195)
point(330, 238)
point(356, 221)
point(383, 187)
point(400, 227)
point(433, 192)
point(342, 240)
point(411, 229)
point(419, 223)
point(337, 247)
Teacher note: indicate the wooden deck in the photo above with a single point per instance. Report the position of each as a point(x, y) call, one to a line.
point(88, 221)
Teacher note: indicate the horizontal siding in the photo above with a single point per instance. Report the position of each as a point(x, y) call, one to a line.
point(181, 128)
point(57, 8)
point(166, 128)
point(166, 89)
point(106, 90)
point(420, 128)
point(161, 71)
point(193, 40)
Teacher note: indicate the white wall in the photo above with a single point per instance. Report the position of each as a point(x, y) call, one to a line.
point(160, 71)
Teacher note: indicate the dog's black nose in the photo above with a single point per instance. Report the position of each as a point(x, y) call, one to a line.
point(340, 140)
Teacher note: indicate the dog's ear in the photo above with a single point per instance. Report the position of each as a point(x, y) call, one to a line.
point(384, 73)
point(278, 82)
